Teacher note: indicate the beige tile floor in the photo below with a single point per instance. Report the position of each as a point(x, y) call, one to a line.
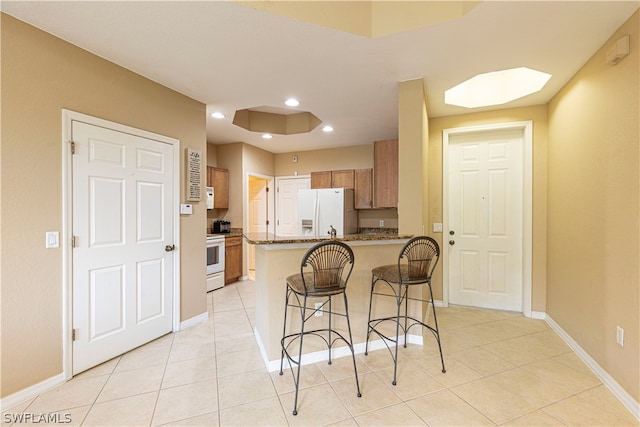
point(502, 369)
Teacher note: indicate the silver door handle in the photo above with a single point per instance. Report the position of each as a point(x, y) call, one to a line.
point(170, 248)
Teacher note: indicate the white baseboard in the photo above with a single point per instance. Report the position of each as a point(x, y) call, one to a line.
point(31, 392)
point(320, 356)
point(203, 317)
point(627, 400)
point(541, 315)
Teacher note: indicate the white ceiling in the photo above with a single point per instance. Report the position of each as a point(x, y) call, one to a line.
point(232, 57)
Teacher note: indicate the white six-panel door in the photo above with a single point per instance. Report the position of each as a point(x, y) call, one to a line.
point(122, 222)
point(485, 239)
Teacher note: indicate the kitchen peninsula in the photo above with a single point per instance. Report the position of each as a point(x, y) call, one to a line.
point(277, 257)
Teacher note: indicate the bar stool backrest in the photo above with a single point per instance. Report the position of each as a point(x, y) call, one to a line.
point(420, 256)
point(326, 267)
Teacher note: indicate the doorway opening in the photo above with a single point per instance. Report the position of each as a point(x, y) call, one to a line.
point(259, 213)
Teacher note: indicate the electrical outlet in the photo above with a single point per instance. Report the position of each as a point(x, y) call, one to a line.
point(318, 307)
point(620, 336)
point(381, 223)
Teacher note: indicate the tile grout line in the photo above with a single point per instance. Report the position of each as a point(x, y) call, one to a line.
point(164, 372)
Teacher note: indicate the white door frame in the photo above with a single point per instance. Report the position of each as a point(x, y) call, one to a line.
point(527, 202)
point(67, 225)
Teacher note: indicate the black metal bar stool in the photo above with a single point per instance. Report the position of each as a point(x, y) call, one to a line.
point(324, 273)
point(416, 263)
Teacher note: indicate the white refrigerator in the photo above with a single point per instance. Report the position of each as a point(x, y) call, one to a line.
point(321, 209)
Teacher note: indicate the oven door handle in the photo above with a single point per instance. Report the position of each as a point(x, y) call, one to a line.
point(170, 248)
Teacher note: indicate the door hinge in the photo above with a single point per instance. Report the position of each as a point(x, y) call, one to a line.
point(267, 222)
point(74, 240)
point(73, 334)
point(73, 147)
point(267, 189)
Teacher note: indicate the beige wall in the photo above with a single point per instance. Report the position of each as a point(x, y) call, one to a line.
point(594, 185)
point(240, 159)
point(41, 75)
point(353, 157)
point(538, 115)
point(413, 150)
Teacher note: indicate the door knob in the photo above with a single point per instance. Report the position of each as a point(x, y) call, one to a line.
point(452, 232)
point(452, 242)
point(170, 248)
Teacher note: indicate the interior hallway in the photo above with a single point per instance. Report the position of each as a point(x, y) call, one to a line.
point(502, 369)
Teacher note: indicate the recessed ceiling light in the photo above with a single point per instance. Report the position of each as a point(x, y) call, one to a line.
point(267, 136)
point(497, 87)
point(327, 129)
point(292, 102)
point(218, 115)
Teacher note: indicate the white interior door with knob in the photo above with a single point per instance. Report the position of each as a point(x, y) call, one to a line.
point(287, 204)
point(122, 280)
point(485, 219)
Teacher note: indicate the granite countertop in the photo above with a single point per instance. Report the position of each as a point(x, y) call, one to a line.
point(270, 238)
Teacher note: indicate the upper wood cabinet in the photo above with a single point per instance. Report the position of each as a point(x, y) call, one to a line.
point(385, 167)
point(333, 179)
point(321, 179)
point(363, 188)
point(219, 179)
point(342, 179)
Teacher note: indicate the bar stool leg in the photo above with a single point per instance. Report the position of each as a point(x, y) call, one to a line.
point(353, 354)
point(284, 327)
point(304, 313)
point(366, 345)
point(395, 358)
point(406, 313)
point(435, 321)
point(330, 311)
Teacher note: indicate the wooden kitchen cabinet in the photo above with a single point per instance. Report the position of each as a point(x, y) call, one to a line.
point(232, 259)
point(385, 176)
point(363, 188)
point(321, 179)
point(219, 179)
point(342, 179)
point(333, 179)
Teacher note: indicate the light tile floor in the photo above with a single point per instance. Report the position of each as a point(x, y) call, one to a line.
point(502, 369)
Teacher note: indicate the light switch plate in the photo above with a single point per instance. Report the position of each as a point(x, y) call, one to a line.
point(186, 209)
point(52, 239)
point(437, 227)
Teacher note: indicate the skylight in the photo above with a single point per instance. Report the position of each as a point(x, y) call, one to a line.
point(496, 87)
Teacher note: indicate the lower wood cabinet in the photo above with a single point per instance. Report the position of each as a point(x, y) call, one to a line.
point(232, 259)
